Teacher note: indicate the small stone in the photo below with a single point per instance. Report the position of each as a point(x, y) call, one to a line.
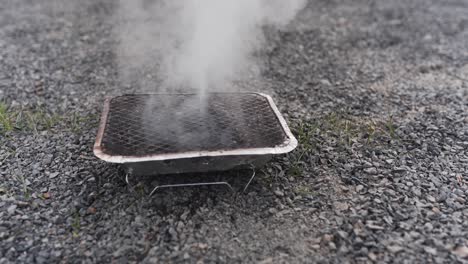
point(40, 260)
point(342, 234)
point(202, 246)
point(374, 227)
point(22, 204)
point(325, 82)
point(184, 216)
point(395, 248)
point(431, 199)
point(430, 250)
point(53, 175)
point(91, 210)
point(92, 196)
point(427, 37)
point(461, 251)
point(315, 246)
point(459, 192)
point(327, 238)
point(341, 206)
point(11, 210)
point(46, 195)
point(279, 193)
point(372, 256)
point(268, 260)
point(429, 226)
point(57, 253)
point(359, 188)
point(371, 171)
point(172, 232)
point(416, 191)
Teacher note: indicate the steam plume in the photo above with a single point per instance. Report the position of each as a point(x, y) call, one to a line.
point(195, 44)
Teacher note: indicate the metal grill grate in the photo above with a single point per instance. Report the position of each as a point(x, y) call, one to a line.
point(148, 125)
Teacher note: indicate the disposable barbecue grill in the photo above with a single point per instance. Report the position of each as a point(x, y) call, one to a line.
point(151, 134)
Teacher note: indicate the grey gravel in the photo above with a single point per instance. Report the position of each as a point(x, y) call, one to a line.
point(385, 178)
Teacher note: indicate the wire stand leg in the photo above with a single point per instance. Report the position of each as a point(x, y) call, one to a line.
point(251, 178)
point(190, 185)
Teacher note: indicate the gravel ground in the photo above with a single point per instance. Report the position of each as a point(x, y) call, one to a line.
point(376, 91)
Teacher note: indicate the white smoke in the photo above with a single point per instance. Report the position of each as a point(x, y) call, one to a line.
point(201, 45)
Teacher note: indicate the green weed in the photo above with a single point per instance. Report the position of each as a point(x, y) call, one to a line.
point(304, 190)
point(38, 119)
point(76, 225)
point(391, 127)
point(24, 186)
point(304, 132)
point(341, 131)
point(76, 122)
point(6, 122)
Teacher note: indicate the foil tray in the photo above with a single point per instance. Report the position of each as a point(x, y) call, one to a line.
point(180, 133)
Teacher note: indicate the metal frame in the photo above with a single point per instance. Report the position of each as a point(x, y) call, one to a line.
point(288, 145)
point(190, 185)
point(196, 184)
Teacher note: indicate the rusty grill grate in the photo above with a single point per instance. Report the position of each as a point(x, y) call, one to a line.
point(148, 125)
